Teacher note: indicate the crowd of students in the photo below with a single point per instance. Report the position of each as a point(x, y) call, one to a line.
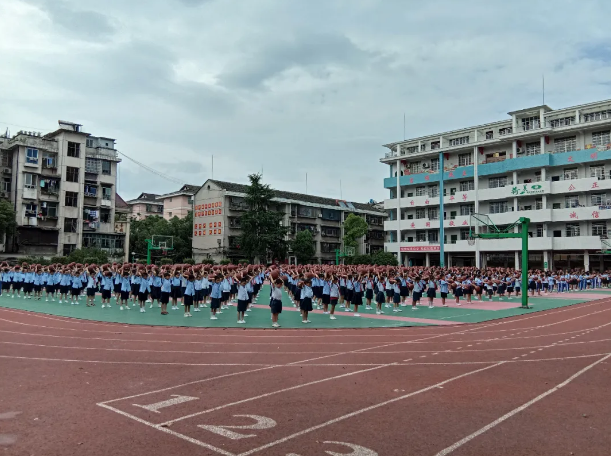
point(308, 287)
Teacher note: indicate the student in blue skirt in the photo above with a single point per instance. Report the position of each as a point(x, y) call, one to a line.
point(243, 299)
point(276, 302)
point(306, 300)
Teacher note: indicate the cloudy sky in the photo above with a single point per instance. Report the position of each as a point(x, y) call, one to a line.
point(289, 86)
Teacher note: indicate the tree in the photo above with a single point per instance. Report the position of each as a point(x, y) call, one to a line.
point(8, 224)
point(180, 229)
point(355, 227)
point(303, 246)
point(382, 258)
point(262, 230)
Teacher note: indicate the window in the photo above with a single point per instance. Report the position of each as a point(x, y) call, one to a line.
point(533, 148)
point(459, 141)
point(539, 230)
point(30, 180)
point(74, 149)
point(6, 184)
point(435, 164)
point(71, 199)
point(464, 234)
point(556, 205)
point(597, 171)
point(433, 213)
point(90, 143)
point(537, 176)
point(467, 209)
point(106, 167)
point(598, 199)
point(105, 216)
point(72, 174)
point(31, 156)
point(49, 160)
point(420, 191)
point(467, 186)
point(92, 165)
point(106, 193)
point(568, 144)
point(599, 228)
point(412, 149)
point(435, 145)
point(505, 131)
point(539, 204)
point(498, 207)
point(433, 191)
point(422, 147)
point(600, 138)
point(465, 159)
point(490, 134)
point(69, 248)
point(572, 229)
point(530, 123)
point(565, 121)
point(91, 191)
point(599, 115)
point(31, 210)
point(496, 182)
point(571, 201)
point(570, 173)
point(420, 236)
point(420, 213)
point(414, 168)
point(48, 209)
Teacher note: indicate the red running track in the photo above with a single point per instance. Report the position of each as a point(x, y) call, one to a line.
point(530, 385)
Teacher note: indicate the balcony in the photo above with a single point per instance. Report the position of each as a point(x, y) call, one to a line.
point(33, 141)
point(30, 193)
point(102, 153)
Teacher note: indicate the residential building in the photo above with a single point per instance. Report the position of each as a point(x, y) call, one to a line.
point(179, 203)
point(219, 206)
point(146, 205)
point(62, 186)
point(123, 213)
point(549, 165)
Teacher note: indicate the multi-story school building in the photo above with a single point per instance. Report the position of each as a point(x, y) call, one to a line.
point(218, 207)
point(552, 166)
point(62, 186)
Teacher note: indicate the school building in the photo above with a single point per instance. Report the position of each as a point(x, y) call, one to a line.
point(550, 165)
point(219, 205)
point(62, 186)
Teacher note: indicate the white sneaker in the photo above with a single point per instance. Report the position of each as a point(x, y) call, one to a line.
point(342, 305)
point(458, 304)
point(103, 305)
point(186, 314)
point(213, 317)
point(403, 305)
point(395, 310)
point(378, 312)
point(142, 310)
point(148, 300)
point(127, 307)
point(121, 308)
point(151, 305)
point(357, 314)
point(368, 308)
point(275, 325)
point(430, 307)
point(399, 310)
point(60, 302)
point(414, 308)
point(333, 317)
point(325, 313)
point(304, 321)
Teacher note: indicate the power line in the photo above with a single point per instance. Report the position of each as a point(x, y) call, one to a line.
point(154, 171)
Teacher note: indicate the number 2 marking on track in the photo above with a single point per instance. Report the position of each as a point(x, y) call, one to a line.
point(261, 423)
point(176, 399)
point(357, 450)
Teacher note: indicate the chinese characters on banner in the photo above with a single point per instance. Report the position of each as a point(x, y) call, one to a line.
point(208, 219)
point(427, 248)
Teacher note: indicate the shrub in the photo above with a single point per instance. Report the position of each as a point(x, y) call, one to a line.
point(207, 261)
point(243, 262)
point(188, 261)
point(59, 259)
point(225, 262)
point(166, 261)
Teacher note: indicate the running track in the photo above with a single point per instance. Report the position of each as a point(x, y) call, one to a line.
point(537, 384)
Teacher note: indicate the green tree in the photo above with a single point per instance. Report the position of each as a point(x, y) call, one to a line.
point(8, 224)
point(180, 229)
point(88, 255)
point(355, 227)
point(303, 246)
point(262, 232)
point(382, 258)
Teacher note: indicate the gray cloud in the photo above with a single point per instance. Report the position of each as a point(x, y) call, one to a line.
point(81, 24)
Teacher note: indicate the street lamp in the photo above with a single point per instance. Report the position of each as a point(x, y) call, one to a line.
point(133, 257)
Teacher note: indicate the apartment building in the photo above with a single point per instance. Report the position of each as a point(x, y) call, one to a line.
point(146, 205)
point(219, 205)
point(62, 185)
point(179, 203)
point(550, 165)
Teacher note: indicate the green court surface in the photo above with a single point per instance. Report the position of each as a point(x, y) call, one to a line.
point(260, 316)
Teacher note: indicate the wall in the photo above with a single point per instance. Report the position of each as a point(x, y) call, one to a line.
point(176, 206)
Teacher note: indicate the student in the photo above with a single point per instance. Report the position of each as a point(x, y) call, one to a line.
point(28, 283)
point(205, 281)
point(135, 285)
point(176, 290)
point(7, 277)
point(189, 294)
point(90, 288)
point(76, 285)
point(125, 289)
point(38, 284)
point(117, 279)
point(107, 288)
point(242, 299)
point(143, 291)
point(18, 278)
point(396, 295)
point(306, 300)
point(216, 295)
point(357, 295)
point(380, 299)
point(431, 292)
point(443, 290)
point(333, 297)
point(65, 284)
point(199, 294)
point(155, 282)
point(166, 290)
point(416, 293)
point(276, 302)
point(326, 295)
point(368, 292)
point(226, 292)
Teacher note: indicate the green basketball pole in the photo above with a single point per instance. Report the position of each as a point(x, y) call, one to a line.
point(149, 247)
point(524, 223)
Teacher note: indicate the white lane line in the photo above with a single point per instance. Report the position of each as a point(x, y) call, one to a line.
point(367, 409)
point(505, 417)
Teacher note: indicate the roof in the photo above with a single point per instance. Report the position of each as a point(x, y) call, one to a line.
point(240, 188)
point(145, 197)
point(188, 190)
point(120, 202)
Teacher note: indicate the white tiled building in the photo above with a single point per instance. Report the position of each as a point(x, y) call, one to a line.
point(552, 166)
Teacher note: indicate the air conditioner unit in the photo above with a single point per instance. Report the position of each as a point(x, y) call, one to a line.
point(320, 215)
point(6, 170)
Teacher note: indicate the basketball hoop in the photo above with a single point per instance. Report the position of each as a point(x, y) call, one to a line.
point(471, 241)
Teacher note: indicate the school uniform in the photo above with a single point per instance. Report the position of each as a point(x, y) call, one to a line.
point(176, 289)
point(380, 295)
point(276, 301)
point(155, 287)
point(417, 292)
point(443, 288)
point(117, 283)
point(189, 293)
point(431, 290)
point(403, 289)
point(333, 293)
point(215, 296)
point(357, 293)
point(90, 286)
point(28, 282)
point(143, 290)
point(306, 299)
point(126, 288)
point(76, 287)
point(166, 289)
point(135, 285)
point(106, 287)
point(199, 292)
point(326, 292)
point(226, 290)
point(7, 278)
point(243, 299)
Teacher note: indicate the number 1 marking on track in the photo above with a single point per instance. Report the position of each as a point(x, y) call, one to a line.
point(176, 399)
point(261, 423)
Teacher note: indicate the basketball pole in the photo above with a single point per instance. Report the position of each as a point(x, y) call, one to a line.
point(441, 217)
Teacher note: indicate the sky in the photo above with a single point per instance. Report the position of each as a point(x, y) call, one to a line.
point(289, 88)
